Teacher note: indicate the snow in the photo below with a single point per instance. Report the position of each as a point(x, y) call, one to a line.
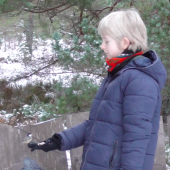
point(68, 155)
point(25, 106)
point(13, 66)
point(21, 125)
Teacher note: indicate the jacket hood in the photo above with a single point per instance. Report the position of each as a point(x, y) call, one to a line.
point(150, 64)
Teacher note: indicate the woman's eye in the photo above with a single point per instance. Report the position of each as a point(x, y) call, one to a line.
point(107, 42)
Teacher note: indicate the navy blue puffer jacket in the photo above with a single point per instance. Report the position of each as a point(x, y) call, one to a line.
point(122, 130)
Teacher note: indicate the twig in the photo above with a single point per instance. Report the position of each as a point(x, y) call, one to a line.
point(47, 10)
point(35, 72)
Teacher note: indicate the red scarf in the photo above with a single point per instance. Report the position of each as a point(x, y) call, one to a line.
point(113, 62)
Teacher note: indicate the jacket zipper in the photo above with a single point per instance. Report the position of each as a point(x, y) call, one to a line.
point(113, 159)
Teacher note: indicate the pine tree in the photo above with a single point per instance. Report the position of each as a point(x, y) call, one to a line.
point(74, 22)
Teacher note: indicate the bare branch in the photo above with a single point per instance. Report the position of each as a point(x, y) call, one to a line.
point(46, 10)
point(96, 15)
point(81, 18)
point(35, 72)
point(110, 8)
point(74, 72)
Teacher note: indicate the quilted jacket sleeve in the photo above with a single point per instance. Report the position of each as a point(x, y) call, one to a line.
point(74, 137)
point(140, 99)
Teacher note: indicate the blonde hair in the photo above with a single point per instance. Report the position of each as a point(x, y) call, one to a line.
point(125, 23)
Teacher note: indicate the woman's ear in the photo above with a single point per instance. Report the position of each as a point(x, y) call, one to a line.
point(125, 43)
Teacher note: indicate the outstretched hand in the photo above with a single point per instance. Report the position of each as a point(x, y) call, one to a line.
point(50, 144)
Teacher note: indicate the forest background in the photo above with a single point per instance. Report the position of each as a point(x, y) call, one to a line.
point(50, 58)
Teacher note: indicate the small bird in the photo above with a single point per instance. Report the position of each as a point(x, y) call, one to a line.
point(28, 139)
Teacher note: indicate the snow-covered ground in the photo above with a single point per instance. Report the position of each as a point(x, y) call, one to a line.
point(14, 63)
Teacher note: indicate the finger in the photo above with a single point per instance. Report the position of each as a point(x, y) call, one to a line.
point(32, 149)
point(35, 148)
point(32, 145)
point(47, 141)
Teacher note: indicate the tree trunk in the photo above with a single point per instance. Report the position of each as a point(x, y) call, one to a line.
point(29, 29)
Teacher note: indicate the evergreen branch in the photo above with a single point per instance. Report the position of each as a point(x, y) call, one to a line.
point(78, 44)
